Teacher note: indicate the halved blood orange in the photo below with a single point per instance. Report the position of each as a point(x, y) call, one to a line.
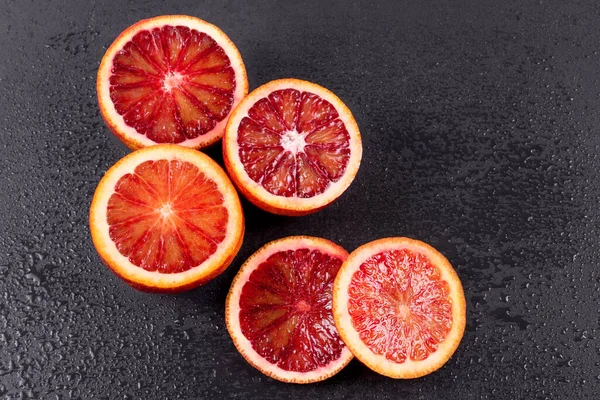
point(166, 219)
point(292, 147)
point(278, 311)
point(399, 306)
point(170, 79)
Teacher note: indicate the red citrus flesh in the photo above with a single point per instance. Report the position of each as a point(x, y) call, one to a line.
point(293, 143)
point(279, 310)
point(285, 310)
point(172, 83)
point(399, 305)
point(166, 216)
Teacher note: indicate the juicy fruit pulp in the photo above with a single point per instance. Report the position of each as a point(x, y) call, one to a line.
point(293, 143)
point(399, 305)
point(172, 83)
point(285, 310)
point(166, 216)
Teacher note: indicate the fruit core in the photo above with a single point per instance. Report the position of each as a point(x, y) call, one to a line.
point(172, 80)
point(302, 306)
point(293, 143)
point(172, 83)
point(400, 305)
point(285, 310)
point(166, 210)
point(166, 216)
point(404, 311)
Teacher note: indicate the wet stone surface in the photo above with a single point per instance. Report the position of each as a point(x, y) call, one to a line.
point(480, 128)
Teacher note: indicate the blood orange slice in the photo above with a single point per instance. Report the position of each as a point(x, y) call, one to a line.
point(278, 310)
point(166, 219)
point(292, 147)
point(400, 307)
point(170, 79)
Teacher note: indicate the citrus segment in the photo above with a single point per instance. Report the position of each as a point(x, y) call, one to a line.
point(166, 218)
point(404, 288)
point(179, 75)
point(170, 79)
point(399, 307)
point(299, 135)
point(161, 228)
point(292, 147)
point(278, 310)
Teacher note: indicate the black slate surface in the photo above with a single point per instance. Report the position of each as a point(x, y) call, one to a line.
point(480, 128)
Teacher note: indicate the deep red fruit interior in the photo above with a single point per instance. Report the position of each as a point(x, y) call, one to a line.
point(166, 216)
point(172, 83)
point(285, 310)
point(293, 143)
point(399, 305)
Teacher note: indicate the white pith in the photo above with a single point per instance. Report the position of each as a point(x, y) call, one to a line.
point(172, 80)
point(351, 337)
point(166, 210)
point(232, 310)
point(104, 72)
point(403, 311)
point(293, 142)
point(121, 264)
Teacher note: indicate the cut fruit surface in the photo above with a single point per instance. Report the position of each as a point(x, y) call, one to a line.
point(166, 218)
point(292, 147)
point(170, 79)
point(399, 306)
point(278, 311)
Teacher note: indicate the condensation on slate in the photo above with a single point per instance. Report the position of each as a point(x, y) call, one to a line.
point(480, 127)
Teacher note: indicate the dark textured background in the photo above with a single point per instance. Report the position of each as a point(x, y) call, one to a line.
point(480, 128)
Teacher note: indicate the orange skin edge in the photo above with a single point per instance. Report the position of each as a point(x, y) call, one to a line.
point(251, 196)
point(130, 141)
point(458, 297)
point(173, 289)
point(188, 286)
point(228, 322)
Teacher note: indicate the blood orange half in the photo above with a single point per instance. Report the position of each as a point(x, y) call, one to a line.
point(400, 307)
point(292, 147)
point(170, 79)
point(166, 219)
point(278, 310)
